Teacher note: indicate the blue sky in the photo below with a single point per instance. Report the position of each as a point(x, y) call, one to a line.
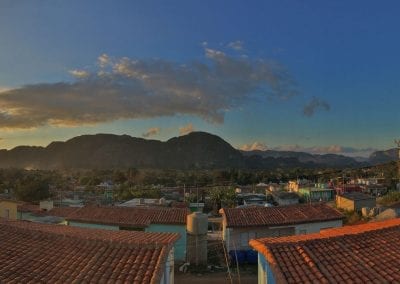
point(319, 76)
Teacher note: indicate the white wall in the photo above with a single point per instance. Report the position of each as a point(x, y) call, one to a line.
point(238, 238)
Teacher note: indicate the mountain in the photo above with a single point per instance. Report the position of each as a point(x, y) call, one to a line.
point(197, 150)
point(302, 159)
point(380, 157)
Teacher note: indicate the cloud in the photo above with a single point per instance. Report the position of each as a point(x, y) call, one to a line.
point(255, 146)
point(3, 89)
point(103, 60)
point(186, 129)
point(151, 132)
point(80, 74)
point(124, 88)
point(236, 45)
point(315, 103)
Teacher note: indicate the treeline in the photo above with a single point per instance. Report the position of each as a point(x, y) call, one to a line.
point(34, 185)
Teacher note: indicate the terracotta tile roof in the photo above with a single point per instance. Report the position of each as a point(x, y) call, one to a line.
point(56, 211)
point(129, 217)
point(280, 215)
point(33, 253)
point(28, 207)
point(61, 211)
point(367, 253)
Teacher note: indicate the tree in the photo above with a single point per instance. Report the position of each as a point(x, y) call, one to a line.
point(32, 190)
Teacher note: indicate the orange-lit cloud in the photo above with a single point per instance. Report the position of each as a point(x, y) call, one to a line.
point(124, 88)
point(186, 129)
point(151, 132)
point(254, 146)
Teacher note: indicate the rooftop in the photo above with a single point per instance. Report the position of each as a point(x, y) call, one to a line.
point(129, 217)
point(285, 195)
point(361, 253)
point(280, 215)
point(356, 196)
point(139, 217)
point(55, 253)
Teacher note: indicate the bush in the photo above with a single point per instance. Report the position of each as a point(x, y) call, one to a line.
point(389, 199)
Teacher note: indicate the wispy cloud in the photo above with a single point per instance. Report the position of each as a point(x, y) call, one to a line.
point(103, 60)
point(236, 45)
point(315, 103)
point(151, 132)
point(254, 146)
point(124, 88)
point(186, 129)
point(80, 74)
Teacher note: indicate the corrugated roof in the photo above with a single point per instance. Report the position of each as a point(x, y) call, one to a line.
point(33, 252)
point(280, 215)
point(367, 253)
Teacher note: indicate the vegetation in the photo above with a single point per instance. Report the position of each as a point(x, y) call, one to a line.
point(389, 199)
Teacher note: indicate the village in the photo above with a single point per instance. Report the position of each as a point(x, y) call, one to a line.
point(257, 233)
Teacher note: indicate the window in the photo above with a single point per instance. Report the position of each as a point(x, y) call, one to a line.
point(244, 239)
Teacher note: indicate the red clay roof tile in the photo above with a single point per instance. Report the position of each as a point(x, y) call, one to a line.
point(281, 215)
point(33, 252)
point(129, 217)
point(361, 253)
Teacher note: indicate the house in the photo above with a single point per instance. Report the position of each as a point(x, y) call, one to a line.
point(8, 209)
point(42, 253)
point(347, 188)
point(247, 199)
point(148, 219)
point(367, 253)
point(285, 197)
point(375, 189)
point(44, 213)
point(355, 201)
point(239, 225)
point(319, 192)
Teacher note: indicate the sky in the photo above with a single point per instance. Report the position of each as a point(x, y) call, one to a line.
point(315, 76)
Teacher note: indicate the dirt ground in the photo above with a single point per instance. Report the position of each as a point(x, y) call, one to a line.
point(215, 278)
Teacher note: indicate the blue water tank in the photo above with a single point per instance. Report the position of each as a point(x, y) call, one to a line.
point(251, 256)
point(239, 255)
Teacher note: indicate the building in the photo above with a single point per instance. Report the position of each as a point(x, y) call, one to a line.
point(148, 219)
point(355, 201)
point(375, 189)
point(317, 193)
point(247, 199)
point(239, 225)
point(367, 253)
point(8, 209)
point(285, 197)
point(41, 253)
point(347, 188)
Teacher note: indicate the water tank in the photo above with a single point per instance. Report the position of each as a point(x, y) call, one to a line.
point(237, 256)
point(251, 256)
point(197, 223)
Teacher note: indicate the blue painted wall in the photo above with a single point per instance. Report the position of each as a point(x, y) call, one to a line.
point(265, 274)
point(180, 245)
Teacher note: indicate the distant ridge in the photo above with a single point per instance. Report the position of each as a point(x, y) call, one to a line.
point(197, 150)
